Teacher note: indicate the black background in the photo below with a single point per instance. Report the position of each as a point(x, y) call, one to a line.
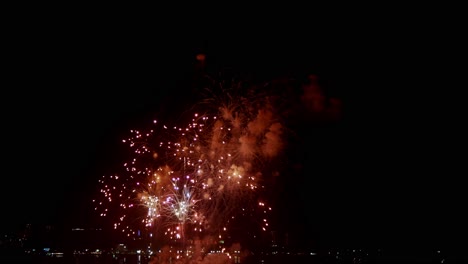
point(74, 83)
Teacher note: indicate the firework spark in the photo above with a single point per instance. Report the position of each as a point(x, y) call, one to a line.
point(196, 178)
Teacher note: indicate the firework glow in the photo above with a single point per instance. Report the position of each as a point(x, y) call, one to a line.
point(201, 176)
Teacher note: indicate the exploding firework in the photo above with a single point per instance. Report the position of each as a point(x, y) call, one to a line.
point(202, 176)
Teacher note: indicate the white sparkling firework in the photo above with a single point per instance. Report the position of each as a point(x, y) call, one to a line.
point(197, 177)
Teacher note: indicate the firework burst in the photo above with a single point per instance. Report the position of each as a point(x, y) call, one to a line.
point(200, 177)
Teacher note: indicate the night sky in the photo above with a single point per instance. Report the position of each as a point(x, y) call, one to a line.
point(72, 91)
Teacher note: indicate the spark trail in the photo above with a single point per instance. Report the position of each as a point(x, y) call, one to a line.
point(200, 176)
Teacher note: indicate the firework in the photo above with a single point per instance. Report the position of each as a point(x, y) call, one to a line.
point(201, 176)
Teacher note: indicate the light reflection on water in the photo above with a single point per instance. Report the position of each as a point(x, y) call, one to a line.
point(141, 259)
point(84, 259)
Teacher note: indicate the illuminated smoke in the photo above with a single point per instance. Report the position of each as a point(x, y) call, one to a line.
point(200, 174)
point(195, 175)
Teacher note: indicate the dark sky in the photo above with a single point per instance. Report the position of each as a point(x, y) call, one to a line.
point(72, 90)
